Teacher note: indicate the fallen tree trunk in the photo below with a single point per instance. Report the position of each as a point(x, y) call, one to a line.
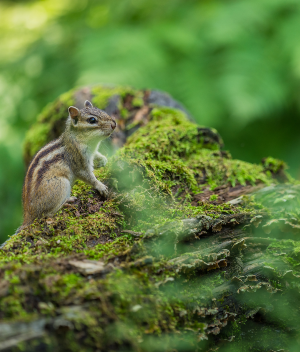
point(177, 258)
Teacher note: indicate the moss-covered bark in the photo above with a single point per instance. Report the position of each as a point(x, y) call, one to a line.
point(174, 259)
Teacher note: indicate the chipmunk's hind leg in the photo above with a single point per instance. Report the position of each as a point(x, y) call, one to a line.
point(59, 193)
point(49, 198)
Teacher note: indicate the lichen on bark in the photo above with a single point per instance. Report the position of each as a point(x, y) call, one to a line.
point(176, 258)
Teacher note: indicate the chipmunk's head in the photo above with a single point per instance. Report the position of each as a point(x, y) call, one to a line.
point(91, 122)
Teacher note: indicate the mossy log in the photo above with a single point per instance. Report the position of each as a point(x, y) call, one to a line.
point(191, 251)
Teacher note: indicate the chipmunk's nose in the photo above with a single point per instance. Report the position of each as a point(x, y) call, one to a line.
point(113, 124)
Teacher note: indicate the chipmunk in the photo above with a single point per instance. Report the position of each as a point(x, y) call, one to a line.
point(55, 168)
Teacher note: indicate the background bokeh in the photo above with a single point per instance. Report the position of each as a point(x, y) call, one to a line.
point(234, 64)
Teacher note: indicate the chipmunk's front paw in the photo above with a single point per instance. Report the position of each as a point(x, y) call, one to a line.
point(100, 162)
point(102, 189)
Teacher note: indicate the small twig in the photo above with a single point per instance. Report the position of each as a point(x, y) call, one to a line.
point(133, 233)
point(118, 214)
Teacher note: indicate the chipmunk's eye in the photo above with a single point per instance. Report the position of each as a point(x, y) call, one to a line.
point(92, 120)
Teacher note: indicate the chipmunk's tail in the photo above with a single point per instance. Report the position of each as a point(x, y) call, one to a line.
point(17, 231)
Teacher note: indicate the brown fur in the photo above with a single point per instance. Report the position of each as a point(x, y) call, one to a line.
point(56, 166)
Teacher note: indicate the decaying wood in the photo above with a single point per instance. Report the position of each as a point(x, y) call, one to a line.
point(224, 279)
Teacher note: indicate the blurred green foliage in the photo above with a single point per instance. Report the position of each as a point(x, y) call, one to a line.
point(234, 64)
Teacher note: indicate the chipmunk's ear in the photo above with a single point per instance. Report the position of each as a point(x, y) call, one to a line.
point(74, 113)
point(88, 104)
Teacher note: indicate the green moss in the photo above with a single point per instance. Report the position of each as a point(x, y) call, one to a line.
point(213, 197)
point(124, 113)
point(274, 165)
point(181, 158)
point(142, 292)
point(12, 306)
point(102, 94)
point(169, 135)
point(219, 170)
point(67, 234)
point(138, 100)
